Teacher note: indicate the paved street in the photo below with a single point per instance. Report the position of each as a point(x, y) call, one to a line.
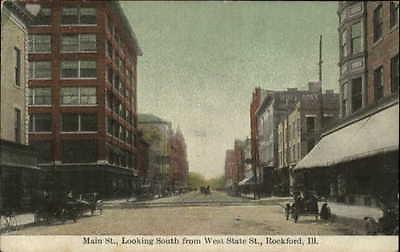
point(241, 219)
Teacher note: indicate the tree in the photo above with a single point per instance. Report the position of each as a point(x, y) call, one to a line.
point(195, 180)
point(217, 183)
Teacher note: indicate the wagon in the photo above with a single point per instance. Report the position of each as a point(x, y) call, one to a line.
point(306, 205)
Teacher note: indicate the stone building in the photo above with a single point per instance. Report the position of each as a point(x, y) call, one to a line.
point(356, 161)
point(82, 100)
point(156, 132)
point(19, 174)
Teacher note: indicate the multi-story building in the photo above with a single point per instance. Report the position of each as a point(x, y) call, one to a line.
point(230, 170)
point(179, 168)
point(257, 97)
point(356, 161)
point(273, 109)
point(246, 184)
point(156, 132)
point(18, 169)
point(82, 100)
point(301, 130)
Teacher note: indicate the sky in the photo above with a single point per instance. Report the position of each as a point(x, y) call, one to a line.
point(202, 60)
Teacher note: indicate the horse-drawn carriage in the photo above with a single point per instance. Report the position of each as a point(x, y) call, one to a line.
point(61, 207)
point(305, 204)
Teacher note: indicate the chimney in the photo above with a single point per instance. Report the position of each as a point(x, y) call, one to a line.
point(314, 86)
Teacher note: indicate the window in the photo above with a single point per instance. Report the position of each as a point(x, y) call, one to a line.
point(394, 13)
point(39, 96)
point(344, 43)
point(40, 123)
point(78, 151)
point(39, 70)
point(345, 100)
point(109, 49)
point(78, 15)
point(310, 124)
point(17, 68)
point(79, 122)
point(70, 122)
point(78, 69)
point(39, 43)
point(43, 150)
point(78, 95)
point(356, 94)
point(110, 75)
point(394, 74)
point(78, 43)
point(378, 83)
point(378, 23)
point(43, 17)
point(87, 69)
point(87, 16)
point(356, 42)
point(17, 127)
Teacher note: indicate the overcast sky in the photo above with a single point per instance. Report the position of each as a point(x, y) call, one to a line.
point(202, 61)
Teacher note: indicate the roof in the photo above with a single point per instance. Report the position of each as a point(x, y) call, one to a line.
point(150, 118)
point(115, 5)
point(372, 135)
point(18, 10)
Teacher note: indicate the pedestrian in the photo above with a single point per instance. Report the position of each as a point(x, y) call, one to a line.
point(325, 213)
point(371, 226)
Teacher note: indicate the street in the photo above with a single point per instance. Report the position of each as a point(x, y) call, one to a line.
point(242, 218)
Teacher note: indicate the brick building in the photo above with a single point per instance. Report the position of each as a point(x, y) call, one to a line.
point(230, 170)
point(273, 109)
point(364, 170)
point(82, 100)
point(301, 130)
point(179, 168)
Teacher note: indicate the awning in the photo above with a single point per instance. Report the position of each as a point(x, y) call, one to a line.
point(375, 134)
point(247, 181)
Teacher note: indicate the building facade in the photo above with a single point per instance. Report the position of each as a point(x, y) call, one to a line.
point(82, 99)
point(273, 109)
point(19, 173)
point(179, 167)
point(365, 169)
point(156, 132)
point(301, 130)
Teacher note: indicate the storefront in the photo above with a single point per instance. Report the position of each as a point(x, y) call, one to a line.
point(357, 162)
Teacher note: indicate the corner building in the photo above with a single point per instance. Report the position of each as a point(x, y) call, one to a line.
point(82, 94)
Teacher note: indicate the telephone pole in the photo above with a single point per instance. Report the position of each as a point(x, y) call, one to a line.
point(321, 102)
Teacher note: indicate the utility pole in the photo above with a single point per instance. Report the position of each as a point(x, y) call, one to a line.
point(321, 102)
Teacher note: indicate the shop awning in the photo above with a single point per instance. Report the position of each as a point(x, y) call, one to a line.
point(375, 134)
point(247, 181)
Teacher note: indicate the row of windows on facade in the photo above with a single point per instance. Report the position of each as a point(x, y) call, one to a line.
point(71, 152)
point(41, 70)
point(118, 108)
point(76, 15)
point(353, 94)
point(72, 122)
point(72, 43)
point(77, 96)
point(353, 37)
point(296, 127)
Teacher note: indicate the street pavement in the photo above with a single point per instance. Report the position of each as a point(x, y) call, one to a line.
point(264, 216)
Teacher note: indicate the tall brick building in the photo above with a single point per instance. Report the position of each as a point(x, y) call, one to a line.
point(357, 160)
point(82, 101)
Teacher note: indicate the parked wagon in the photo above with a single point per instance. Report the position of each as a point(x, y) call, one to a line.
point(305, 204)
